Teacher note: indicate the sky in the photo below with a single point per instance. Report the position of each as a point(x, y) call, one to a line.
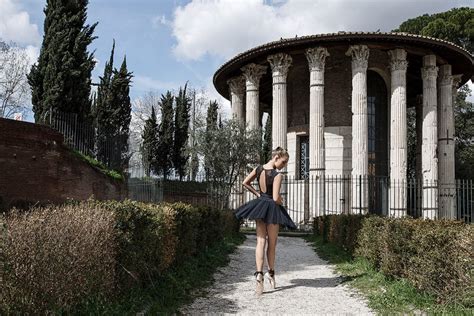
point(170, 42)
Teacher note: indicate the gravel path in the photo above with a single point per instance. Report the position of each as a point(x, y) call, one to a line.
point(306, 284)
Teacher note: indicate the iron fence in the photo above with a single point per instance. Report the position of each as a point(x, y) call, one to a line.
point(105, 145)
point(305, 199)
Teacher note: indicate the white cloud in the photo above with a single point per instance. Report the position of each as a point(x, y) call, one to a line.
point(15, 24)
point(470, 98)
point(223, 28)
point(159, 20)
point(32, 52)
point(145, 84)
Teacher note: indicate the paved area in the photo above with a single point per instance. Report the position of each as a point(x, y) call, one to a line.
point(306, 285)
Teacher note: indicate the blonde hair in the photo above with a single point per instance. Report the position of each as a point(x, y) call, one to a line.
point(280, 152)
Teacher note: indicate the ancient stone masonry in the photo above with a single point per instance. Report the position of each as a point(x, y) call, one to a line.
point(343, 119)
point(252, 74)
point(446, 171)
point(316, 61)
point(429, 146)
point(398, 133)
point(280, 63)
point(360, 57)
point(237, 93)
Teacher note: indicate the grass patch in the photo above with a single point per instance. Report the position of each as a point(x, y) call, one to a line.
point(174, 289)
point(100, 166)
point(385, 295)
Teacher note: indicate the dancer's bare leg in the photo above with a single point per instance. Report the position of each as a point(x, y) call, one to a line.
point(259, 255)
point(272, 231)
point(261, 240)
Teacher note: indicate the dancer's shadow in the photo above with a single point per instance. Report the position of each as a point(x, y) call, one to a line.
point(315, 283)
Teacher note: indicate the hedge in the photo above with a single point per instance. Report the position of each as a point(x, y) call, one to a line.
point(435, 256)
point(55, 257)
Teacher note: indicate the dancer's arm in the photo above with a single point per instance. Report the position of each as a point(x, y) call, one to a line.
point(248, 180)
point(276, 189)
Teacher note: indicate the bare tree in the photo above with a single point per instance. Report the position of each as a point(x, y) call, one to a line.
point(14, 88)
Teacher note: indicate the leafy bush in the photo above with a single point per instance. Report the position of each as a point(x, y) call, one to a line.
point(435, 256)
point(57, 257)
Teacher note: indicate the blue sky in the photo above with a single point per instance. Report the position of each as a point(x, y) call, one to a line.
point(169, 42)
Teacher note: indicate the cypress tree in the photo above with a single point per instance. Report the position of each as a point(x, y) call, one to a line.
point(181, 125)
point(211, 126)
point(267, 142)
point(104, 112)
point(61, 79)
point(148, 148)
point(165, 136)
point(121, 114)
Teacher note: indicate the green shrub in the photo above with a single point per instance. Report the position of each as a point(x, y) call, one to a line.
point(341, 229)
point(370, 239)
point(434, 256)
point(56, 256)
point(60, 256)
point(444, 260)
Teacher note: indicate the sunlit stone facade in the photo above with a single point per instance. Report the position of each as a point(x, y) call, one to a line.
point(339, 103)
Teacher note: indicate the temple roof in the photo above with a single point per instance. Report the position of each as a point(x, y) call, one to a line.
point(460, 59)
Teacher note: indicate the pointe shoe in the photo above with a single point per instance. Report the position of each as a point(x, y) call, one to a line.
point(259, 278)
point(271, 278)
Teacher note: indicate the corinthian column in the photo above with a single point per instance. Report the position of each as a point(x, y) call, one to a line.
point(237, 91)
point(252, 73)
point(429, 158)
point(398, 133)
point(360, 163)
point(280, 63)
point(316, 61)
point(446, 144)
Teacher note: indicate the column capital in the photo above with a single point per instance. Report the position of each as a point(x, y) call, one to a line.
point(280, 63)
point(445, 77)
point(237, 85)
point(316, 58)
point(456, 81)
point(398, 59)
point(253, 72)
point(429, 72)
point(360, 57)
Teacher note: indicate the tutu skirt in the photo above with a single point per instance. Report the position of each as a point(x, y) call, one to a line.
point(265, 208)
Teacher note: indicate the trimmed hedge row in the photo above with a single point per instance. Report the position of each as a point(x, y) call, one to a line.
point(435, 256)
point(58, 256)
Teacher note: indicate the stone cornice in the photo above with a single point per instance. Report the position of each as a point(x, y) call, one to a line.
point(316, 58)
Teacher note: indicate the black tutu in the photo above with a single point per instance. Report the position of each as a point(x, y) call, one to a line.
point(266, 209)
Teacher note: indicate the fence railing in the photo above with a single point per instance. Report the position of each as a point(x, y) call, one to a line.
point(104, 145)
point(308, 198)
point(304, 198)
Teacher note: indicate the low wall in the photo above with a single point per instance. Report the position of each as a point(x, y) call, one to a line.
point(36, 167)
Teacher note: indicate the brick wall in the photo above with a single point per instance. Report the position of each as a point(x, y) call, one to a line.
point(35, 166)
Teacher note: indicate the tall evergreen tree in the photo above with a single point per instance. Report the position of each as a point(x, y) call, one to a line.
point(103, 111)
point(165, 136)
point(112, 111)
point(149, 147)
point(122, 114)
point(211, 125)
point(266, 154)
point(61, 79)
point(181, 129)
